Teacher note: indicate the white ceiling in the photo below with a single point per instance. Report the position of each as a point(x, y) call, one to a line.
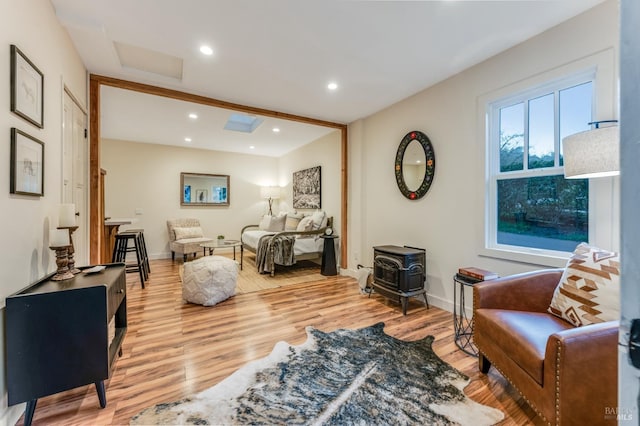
point(132, 116)
point(280, 54)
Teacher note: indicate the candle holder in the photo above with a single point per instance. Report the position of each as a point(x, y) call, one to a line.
point(70, 260)
point(62, 262)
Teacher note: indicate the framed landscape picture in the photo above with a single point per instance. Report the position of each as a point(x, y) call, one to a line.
point(27, 88)
point(27, 164)
point(306, 189)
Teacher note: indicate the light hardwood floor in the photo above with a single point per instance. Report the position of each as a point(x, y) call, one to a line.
point(173, 349)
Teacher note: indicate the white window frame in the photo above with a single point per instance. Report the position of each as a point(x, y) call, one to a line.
point(494, 149)
point(604, 221)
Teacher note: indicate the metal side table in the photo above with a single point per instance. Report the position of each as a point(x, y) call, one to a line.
point(462, 326)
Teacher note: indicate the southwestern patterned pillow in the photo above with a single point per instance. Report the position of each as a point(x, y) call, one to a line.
point(589, 289)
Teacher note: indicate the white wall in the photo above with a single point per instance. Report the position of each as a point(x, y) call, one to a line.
point(147, 176)
point(324, 152)
point(448, 221)
point(32, 26)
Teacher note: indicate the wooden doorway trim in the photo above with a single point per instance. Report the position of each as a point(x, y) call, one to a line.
point(96, 211)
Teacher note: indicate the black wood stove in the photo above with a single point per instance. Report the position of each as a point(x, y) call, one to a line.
point(400, 273)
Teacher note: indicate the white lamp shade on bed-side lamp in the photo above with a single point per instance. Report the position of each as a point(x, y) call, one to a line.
point(593, 153)
point(272, 192)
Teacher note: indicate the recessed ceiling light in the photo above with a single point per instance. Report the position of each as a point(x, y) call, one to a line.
point(418, 161)
point(252, 147)
point(187, 139)
point(276, 129)
point(193, 116)
point(332, 86)
point(206, 50)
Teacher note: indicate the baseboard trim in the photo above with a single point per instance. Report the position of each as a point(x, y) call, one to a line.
point(11, 415)
point(436, 301)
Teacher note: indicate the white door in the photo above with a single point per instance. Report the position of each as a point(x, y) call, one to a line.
point(74, 172)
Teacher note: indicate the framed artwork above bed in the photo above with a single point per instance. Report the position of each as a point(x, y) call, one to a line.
point(306, 188)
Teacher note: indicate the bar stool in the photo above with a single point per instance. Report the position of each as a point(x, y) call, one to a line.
point(143, 245)
point(121, 249)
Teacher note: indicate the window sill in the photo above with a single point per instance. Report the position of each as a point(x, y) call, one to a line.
point(551, 260)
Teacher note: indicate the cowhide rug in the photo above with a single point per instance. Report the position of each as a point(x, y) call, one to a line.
point(343, 377)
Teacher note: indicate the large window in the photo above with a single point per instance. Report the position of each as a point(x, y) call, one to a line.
point(531, 205)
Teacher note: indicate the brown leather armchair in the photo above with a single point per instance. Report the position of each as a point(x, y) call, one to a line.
point(567, 374)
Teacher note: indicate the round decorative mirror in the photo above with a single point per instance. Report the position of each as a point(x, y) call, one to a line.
point(415, 165)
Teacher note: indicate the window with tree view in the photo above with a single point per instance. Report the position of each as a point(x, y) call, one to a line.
point(533, 205)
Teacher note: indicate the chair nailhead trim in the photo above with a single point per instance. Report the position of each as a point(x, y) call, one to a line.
point(516, 388)
point(558, 360)
point(475, 306)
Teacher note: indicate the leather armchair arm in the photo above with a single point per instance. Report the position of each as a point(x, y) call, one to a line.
point(582, 363)
point(529, 291)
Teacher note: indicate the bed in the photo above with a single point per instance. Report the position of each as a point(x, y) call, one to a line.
point(285, 246)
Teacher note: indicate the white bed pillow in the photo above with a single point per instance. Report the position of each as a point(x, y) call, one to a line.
point(277, 223)
point(265, 222)
point(318, 218)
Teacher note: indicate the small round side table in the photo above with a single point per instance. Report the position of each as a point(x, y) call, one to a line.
point(462, 326)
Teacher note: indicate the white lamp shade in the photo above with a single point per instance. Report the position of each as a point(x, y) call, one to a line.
point(594, 153)
point(272, 192)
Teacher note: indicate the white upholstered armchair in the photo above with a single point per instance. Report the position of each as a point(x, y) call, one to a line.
point(185, 237)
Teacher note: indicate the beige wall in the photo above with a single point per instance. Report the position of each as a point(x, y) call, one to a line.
point(147, 177)
point(449, 221)
point(32, 26)
point(324, 152)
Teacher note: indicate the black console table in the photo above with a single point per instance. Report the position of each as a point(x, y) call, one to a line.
point(328, 266)
point(58, 335)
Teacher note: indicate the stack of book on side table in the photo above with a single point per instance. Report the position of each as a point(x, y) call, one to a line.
point(475, 275)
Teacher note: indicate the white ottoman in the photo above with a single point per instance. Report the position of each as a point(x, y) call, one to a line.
point(209, 280)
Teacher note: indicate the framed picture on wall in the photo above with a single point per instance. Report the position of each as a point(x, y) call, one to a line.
point(306, 189)
point(27, 164)
point(27, 88)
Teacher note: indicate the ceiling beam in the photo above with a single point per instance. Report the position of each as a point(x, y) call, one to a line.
point(203, 100)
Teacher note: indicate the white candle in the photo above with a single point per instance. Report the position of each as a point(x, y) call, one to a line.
point(58, 238)
point(67, 215)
